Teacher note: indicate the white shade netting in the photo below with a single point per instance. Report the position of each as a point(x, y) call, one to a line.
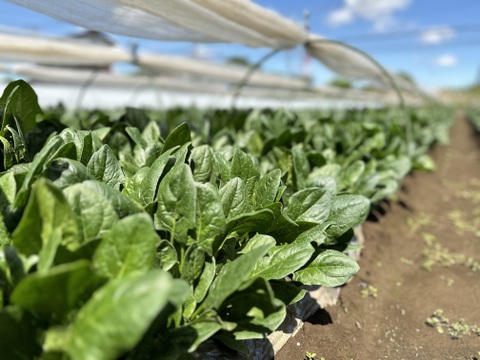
point(236, 21)
point(56, 51)
point(171, 65)
point(350, 62)
point(233, 21)
point(344, 60)
point(65, 52)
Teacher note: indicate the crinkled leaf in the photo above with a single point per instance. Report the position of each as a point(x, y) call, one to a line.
point(129, 247)
point(86, 143)
point(209, 219)
point(177, 202)
point(166, 256)
point(352, 174)
point(242, 166)
point(122, 204)
point(234, 198)
point(192, 263)
point(266, 189)
point(94, 214)
point(203, 161)
point(315, 235)
point(347, 211)
point(309, 205)
point(301, 167)
point(104, 167)
point(147, 190)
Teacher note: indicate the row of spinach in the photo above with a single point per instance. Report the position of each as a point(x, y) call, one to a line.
point(144, 235)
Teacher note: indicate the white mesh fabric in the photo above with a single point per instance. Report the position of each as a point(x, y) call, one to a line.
point(171, 65)
point(55, 51)
point(344, 60)
point(238, 21)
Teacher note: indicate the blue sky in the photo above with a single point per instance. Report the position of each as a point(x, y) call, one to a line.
point(436, 41)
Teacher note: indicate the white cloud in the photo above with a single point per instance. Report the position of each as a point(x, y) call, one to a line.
point(437, 35)
point(447, 60)
point(379, 12)
point(203, 52)
point(340, 17)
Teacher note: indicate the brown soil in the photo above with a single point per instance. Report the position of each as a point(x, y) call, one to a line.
point(443, 208)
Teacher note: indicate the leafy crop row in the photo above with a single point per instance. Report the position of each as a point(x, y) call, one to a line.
point(474, 117)
point(118, 242)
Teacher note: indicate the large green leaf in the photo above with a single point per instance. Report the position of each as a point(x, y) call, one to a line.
point(352, 174)
point(122, 204)
point(309, 205)
point(20, 101)
point(243, 166)
point(94, 214)
point(257, 241)
point(86, 143)
point(210, 219)
point(301, 167)
point(8, 190)
point(234, 198)
point(57, 291)
point(283, 260)
point(178, 137)
point(266, 189)
point(129, 247)
point(166, 256)
point(115, 319)
point(104, 167)
point(347, 211)
point(177, 202)
point(147, 190)
point(48, 221)
point(331, 268)
point(203, 161)
point(192, 263)
point(205, 280)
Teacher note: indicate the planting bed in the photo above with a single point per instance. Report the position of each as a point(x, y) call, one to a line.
point(382, 312)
